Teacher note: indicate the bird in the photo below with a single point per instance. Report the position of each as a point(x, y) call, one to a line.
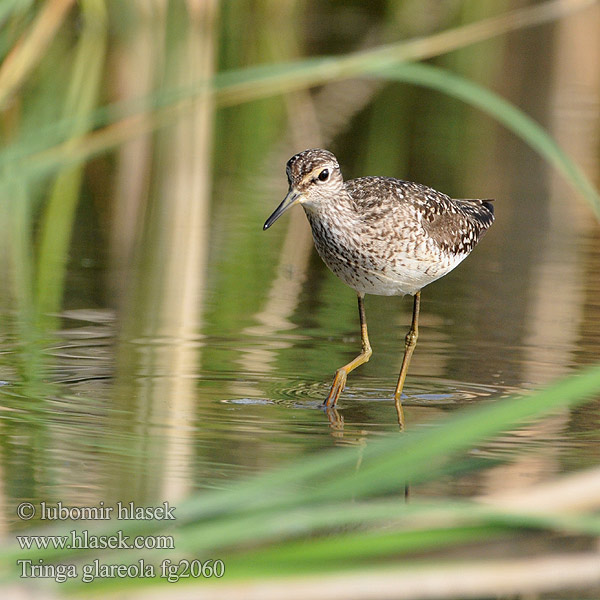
point(382, 236)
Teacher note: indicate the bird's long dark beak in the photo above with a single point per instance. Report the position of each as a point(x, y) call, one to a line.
point(293, 197)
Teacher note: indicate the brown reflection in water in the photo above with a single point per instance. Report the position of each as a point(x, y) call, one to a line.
point(139, 54)
point(558, 287)
point(589, 333)
point(283, 296)
point(576, 125)
point(312, 123)
point(285, 289)
point(156, 380)
point(559, 282)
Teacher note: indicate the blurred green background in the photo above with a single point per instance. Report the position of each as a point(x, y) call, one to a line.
point(155, 343)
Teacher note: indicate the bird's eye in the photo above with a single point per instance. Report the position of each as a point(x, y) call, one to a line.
point(324, 175)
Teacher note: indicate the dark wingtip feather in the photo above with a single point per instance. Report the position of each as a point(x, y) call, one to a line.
point(488, 204)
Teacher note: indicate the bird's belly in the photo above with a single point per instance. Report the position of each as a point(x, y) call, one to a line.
point(372, 265)
point(375, 275)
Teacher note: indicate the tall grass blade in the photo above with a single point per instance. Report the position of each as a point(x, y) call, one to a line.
point(38, 158)
point(386, 465)
point(335, 483)
point(31, 49)
point(59, 214)
point(522, 125)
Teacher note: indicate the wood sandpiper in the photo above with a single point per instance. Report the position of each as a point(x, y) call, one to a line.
point(381, 236)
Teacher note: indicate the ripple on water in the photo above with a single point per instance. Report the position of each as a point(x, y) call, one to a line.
point(285, 392)
point(248, 401)
point(434, 394)
point(447, 392)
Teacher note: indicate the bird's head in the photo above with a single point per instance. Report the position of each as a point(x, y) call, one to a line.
point(314, 177)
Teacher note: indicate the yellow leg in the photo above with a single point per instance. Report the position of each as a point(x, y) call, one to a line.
point(339, 381)
point(410, 343)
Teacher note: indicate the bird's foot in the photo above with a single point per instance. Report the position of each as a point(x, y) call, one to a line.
point(339, 382)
